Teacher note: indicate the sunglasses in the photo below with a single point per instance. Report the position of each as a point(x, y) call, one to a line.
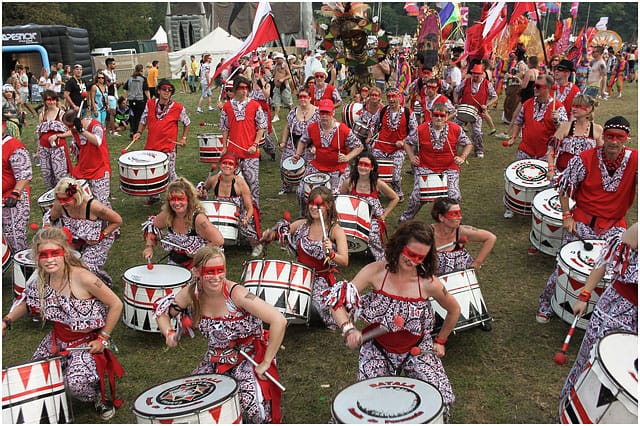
point(212, 270)
point(453, 214)
point(230, 163)
point(615, 135)
point(50, 254)
point(178, 199)
point(439, 114)
point(165, 89)
point(319, 76)
point(539, 86)
point(365, 164)
point(412, 256)
point(101, 77)
point(325, 112)
point(364, 90)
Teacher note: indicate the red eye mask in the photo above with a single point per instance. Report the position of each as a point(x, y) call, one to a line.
point(178, 199)
point(453, 214)
point(212, 270)
point(49, 254)
point(414, 257)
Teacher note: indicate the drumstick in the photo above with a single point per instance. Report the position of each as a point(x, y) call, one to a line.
point(318, 203)
point(149, 264)
point(203, 123)
point(171, 244)
point(236, 145)
point(554, 88)
point(267, 375)
point(462, 240)
point(372, 334)
point(126, 148)
point(587, 245)
point(80, 109)
point(560, 358)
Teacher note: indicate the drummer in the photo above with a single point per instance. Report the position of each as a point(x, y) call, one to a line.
point(55, 161)
point(435, 150)
point(298, 120)
point(260, 92)
point(450, 237)
point(320, 244)
point(617, 308)
point(395, 125)
point(433, 97)
point(16, 176)
point(370, 112)
point(363, 182)
point(227, 186)
point(189, 228)
point(94, 227)
point(335, 146)
point(84, 313)
point(230, 318)
point(401, 286)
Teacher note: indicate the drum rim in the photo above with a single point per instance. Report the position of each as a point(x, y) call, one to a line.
point(288, 160)
point(200, 408)
point(532, 161)
point(607, 370)
point(34, 362)
point(594, 241)
point(19, 259)
point(208, 202)
point(327, 176)
point(147, 285)
point(163, 158)
point(396, 378)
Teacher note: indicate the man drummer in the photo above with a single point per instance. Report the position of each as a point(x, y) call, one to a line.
point(478, 92)
point(322, 90)
point(538, 119)
point(243, 123)
point(162, 115)
point(93, 163)
point(395, 124)
point(432, 98)
point(435, 150)
point(602, 199)
point(566, 90)
point(335, 146)
point(16, 175)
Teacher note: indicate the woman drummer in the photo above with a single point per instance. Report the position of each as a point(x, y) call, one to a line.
point(319, 242)
point(227, 186)
point(574, 136)
point(617, 308)
point(363, 182)
point(401, 286)
point(93, 226)
point(84, 312)
point(450, 236)
point(189, 228)
point(230, 318)
point(298, 120)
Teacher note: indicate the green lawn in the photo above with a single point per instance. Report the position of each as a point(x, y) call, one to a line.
point(506, 375)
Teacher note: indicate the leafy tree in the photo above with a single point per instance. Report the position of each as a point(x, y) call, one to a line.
point(36, 13)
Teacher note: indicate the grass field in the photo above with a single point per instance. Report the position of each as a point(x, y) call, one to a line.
point(506, 375)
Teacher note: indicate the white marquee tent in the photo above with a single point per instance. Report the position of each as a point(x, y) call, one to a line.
point(160, 36)
point(218, 43)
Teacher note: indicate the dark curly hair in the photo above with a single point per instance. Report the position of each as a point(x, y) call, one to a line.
point(412, 230)
point(373, 175)
point(441, 206)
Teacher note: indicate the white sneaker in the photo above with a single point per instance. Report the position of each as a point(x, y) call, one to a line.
point(508, 214)
point(106, 410)
point(281, 192)
point(502, 135)
point(274, 119)
point(211, 108)
point(257, 251)
point(199, 109)
point(116, 134)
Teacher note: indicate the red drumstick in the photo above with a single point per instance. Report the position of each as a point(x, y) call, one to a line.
point(560, 358)
point(149, 264)
point(126, 148)
point(202, 123)
point(286, 216)
point(33, 226)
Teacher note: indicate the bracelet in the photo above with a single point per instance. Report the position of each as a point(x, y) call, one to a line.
point(566, 215)
point(332, 255)
point(105, 342)
point(347, 328)
point(170, 332)
point(440, 340)
point(7, 322)
point(105, 334)
point(585, 295)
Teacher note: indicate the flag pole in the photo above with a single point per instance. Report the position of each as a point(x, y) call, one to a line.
point(544, 50)
point(284, 52)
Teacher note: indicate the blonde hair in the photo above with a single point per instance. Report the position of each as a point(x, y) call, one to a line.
point(182, 185)
point(58, 237)
point(203, 255)
point(67, 183)
point(586, 100)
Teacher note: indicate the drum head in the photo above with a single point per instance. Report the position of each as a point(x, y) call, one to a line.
point(316, 179)
point(577, 258)
point(159, 276)
point(388, 400)
point(47, 198)
point(619, 355)
point(547, 203)
point(528, 173)
point(288, 164)
point(141, 158)
point(187, 395)
point(25, 257)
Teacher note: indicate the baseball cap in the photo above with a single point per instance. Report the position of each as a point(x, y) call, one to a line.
point(325, 105)
point(76, 66)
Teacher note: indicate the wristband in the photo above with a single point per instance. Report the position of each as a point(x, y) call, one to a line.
point(16, 193)
point(585, 296)
point(105, 334)
point(7, 321)
point(101, 236)
point(332, 255)
point(566, 215)
point(347, 328)
point(440, 340)
point(105, 342)
point(170, 332)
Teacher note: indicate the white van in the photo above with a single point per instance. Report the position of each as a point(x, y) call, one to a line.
point(101, 51)
point(123, 52)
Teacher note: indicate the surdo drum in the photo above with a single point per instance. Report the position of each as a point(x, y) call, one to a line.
point(575, 263)
point(6, 254)
point(313, 180)
point(385, 169)
point(210, 147)
point(144, 172)
point(351, 113)
point(354, 216)
point(467, 113)
point(198, 399)
point(360, 130)
point(433, 186)
point(224, 215)
point(546, 221)
point(464, 287)
point(607, 390)
point(524, 179)
point(283, 284)
point(143, 287)
point(46, 200)
point(388, 400)
point(292, 172)
point(24, 266)
point(35, 392)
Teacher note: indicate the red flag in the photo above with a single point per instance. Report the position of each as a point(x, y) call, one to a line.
point(264, 31)
point(521, 8)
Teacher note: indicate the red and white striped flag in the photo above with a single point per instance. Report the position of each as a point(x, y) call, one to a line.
point(263, 31)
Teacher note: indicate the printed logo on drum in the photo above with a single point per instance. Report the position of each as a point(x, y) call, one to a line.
point(186, 393)
point(531, 172)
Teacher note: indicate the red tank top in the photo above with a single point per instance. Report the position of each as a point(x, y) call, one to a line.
point(389, 135)
point(326, 159)
point(536, 134)
point(476, 99)
point(242, 132)
point(438, 160)
point(163, 132)
point(93, 161)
